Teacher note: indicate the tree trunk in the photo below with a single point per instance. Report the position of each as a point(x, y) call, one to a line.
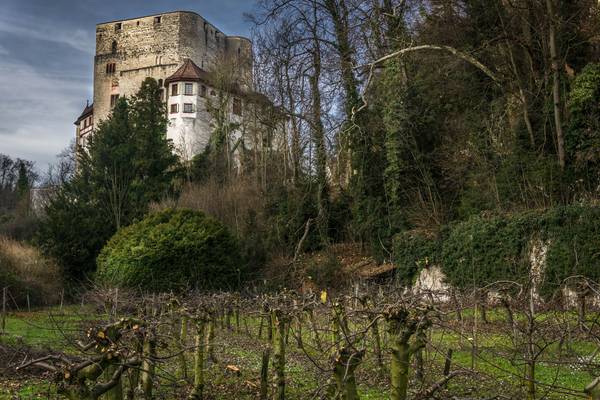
point(210, 339)
point(560, 141)
point(345, 363)
point(147, 368)
point(400, 369)
point(197, 391)
point(279, 325)
point(181, 343)
point(116, 393)
point(264, 374)
point(377, 340)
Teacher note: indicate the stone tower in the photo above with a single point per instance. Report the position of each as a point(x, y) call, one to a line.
point(158, 46)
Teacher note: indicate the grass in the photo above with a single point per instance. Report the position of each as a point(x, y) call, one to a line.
point(499, 367)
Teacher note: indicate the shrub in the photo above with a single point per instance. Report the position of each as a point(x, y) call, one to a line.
point(171, 250)
point(24, 270)
point(326, 272)
point(413, 251)
point(484, 249)
point(489, 248)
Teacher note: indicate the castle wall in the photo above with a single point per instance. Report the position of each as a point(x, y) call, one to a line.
point(147, 48)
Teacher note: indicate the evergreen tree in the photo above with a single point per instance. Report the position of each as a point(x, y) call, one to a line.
point(127, 164)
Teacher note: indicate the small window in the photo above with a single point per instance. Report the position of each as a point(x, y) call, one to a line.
point(189, 89)
point(174, 108)
point(113, 47)
point(188, 108)
point(118, 26)
point(157, 20)
point(113, 100)
point(160, 83)
point(203, 91)
point(212, 93)
point(237, 106)
point(137, 23)
point(174, 91)
point(111, 68)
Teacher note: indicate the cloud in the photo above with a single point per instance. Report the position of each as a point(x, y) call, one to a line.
point(36, 122)
point(41, 29)
point(3, 51)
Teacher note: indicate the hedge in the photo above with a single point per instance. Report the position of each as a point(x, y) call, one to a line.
point(171, 250)
point(488, 248)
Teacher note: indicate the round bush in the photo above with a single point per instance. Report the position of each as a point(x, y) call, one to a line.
point(171, 250)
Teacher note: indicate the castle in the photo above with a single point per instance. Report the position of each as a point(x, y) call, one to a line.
point(182, 51)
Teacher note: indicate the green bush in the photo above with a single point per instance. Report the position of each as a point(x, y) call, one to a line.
point(484, 249)
point(490, 248)
point(412, 252)
point(171, 250)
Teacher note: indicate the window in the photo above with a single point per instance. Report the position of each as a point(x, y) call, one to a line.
point(138, 23)
point(188, 108)
point(161, 92)
point(174, 91)
point(237, 106)
point(111, 68)
point(203, 91)
point(160, 83)
point(118, 26)
point(212, 93)
point(114, 47)
point(188, 89)
point(113, 100)
point(174, 108)
point(157, 20)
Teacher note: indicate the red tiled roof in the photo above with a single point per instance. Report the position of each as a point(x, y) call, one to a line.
point(87, 111)
point(189, 71)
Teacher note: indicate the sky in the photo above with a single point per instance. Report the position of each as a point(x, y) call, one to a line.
point(46, 63)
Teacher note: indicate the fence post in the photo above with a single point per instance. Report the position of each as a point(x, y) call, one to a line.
point(4, 310)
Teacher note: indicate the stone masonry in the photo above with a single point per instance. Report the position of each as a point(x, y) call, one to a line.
point(128, 51)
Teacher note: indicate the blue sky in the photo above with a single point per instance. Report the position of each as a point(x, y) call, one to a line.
point(46, 63)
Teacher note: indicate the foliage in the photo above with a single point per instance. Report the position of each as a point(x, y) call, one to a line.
point(172, 250)
point(489, 248)
point(484, 249)
point(288, 210)
point(25, 271)
point(412, 251)
point(583, 134)
point(327, 272)
point(127, 164)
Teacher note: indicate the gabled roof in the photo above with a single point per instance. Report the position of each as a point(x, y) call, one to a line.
point(190, 72)
point(87, 111)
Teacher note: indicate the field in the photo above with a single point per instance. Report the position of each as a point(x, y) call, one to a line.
point(490, 358)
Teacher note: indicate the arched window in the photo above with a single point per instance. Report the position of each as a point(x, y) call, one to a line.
point(114, 46)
